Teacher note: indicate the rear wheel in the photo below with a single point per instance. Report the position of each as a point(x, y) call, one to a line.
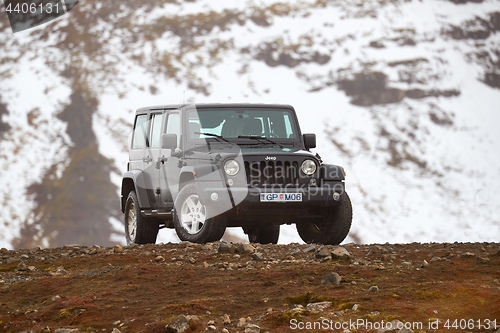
point(191, 218)
point(264, 234)
point(138, 229)
point(332, 228)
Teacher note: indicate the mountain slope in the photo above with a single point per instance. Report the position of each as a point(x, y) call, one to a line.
point(404, 94)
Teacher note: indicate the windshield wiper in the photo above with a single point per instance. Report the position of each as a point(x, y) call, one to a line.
point(217, 136)
point(261, 139)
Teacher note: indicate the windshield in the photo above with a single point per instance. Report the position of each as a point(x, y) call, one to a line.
point(239, 124)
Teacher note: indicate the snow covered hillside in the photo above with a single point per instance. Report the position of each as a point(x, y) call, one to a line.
point(404, 94)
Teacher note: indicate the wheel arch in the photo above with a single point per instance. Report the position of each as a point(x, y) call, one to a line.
point(132, 181)
point(332, 172)
point(190, 173)
point(185, 178)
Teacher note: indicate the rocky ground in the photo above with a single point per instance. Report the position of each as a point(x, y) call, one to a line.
point(225, 287)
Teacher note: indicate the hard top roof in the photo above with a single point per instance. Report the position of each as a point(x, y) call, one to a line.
point(183, 107)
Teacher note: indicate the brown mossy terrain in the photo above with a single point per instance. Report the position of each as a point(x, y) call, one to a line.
point(235, 286)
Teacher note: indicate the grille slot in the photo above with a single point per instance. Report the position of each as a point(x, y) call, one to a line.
point(270, 173)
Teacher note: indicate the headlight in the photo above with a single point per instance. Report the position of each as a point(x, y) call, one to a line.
point(308, 167)
point(231, 167)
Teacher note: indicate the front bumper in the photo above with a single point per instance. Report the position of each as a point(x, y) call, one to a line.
point(215, 194)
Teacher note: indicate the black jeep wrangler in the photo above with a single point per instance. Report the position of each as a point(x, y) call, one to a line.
point(201, 168)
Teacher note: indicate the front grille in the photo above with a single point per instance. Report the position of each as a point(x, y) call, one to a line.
point(269, 173)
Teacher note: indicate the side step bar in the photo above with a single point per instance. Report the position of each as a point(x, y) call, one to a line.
point(157, 213)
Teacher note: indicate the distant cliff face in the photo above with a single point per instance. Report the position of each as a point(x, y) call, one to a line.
point(4, 127)
point(75, 207)
point(400, 79)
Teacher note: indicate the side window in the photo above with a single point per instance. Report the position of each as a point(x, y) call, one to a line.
point(140, 130)
point(174, 126)
point(156, 122)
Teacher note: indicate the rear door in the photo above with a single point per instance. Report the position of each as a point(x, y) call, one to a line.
point(138, 144)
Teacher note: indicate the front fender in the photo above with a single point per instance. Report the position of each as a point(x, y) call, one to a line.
point(209, 179)
point(331, 172)
point(208, 172)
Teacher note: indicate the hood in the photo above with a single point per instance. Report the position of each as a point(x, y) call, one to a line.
point(250, 152)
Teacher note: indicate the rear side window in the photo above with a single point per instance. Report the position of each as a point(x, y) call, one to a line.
point(140, 132)
point(157, 120)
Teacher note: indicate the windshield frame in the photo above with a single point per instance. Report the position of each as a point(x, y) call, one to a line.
point(289, 123)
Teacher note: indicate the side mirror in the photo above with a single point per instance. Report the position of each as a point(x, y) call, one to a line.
point(309, 141)
point(169, 141)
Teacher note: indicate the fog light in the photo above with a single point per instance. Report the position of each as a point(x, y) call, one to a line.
point(312, 182)
point(230, 182)
point(214, 196)
point(336, 196)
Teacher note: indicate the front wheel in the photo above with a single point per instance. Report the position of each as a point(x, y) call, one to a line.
point(138, 229)
point(191, 218)
point(332, 228)
point(264, 234)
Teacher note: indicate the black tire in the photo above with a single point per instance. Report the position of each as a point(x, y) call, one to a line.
point(195, 227)
point(138, 229)
point(268, 234)
point(331, 229)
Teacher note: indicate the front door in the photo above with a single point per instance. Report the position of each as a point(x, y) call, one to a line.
point(169, 167)
point(151, 158)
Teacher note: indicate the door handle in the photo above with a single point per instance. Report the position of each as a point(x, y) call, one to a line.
point(161, 160)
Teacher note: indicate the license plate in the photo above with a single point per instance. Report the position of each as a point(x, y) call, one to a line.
point(280, 197)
